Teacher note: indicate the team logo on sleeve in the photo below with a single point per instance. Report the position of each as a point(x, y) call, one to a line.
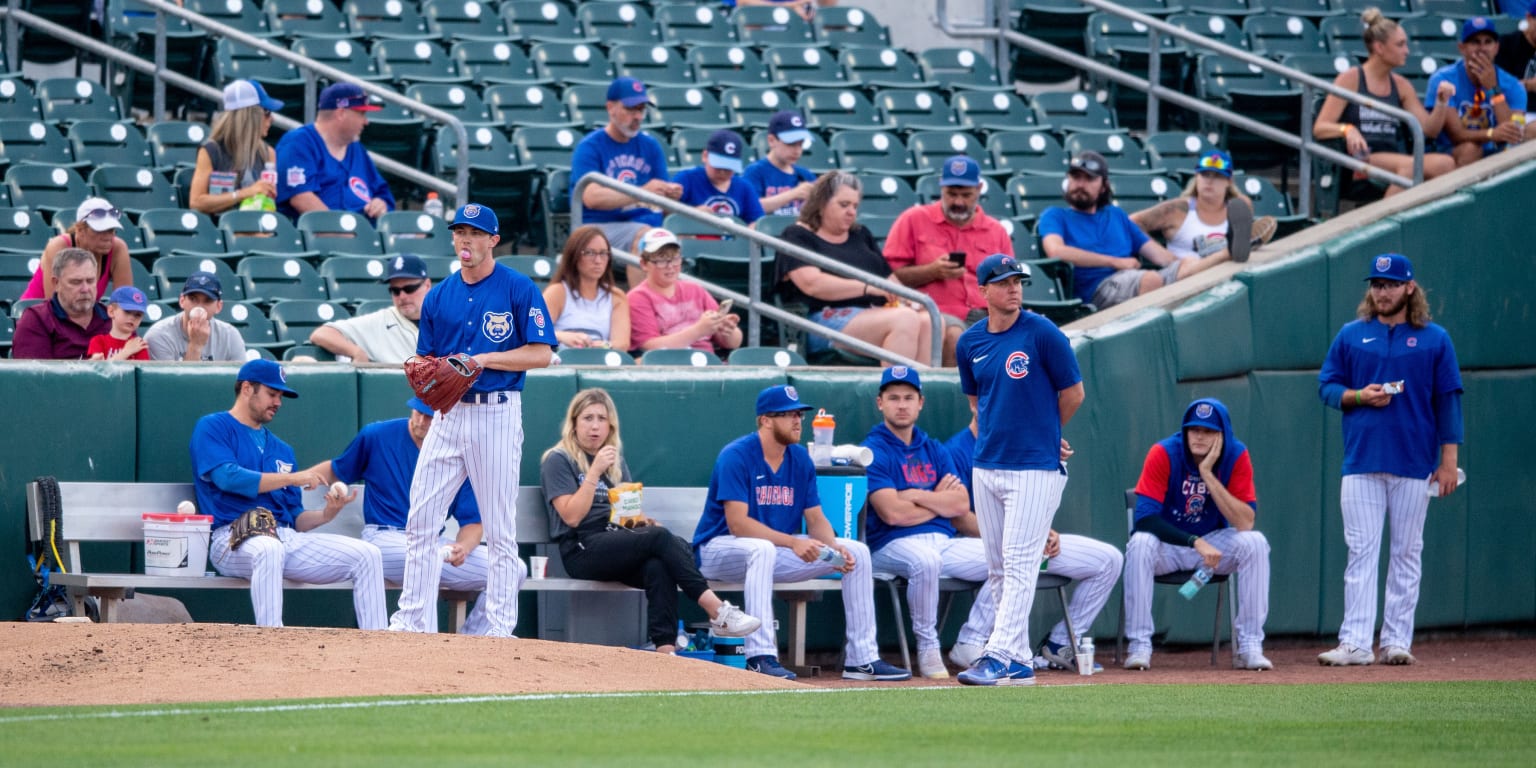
point(497, 326)
point(538, 317)
point(296, 176)
point(1017, 365)
point(359, 188)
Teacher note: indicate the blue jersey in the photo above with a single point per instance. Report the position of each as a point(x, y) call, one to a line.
point(1404, 437)
point(1015, 376)
point(1108, 232)
point(636, 162)
point(221, 443)
point(500, 313)
point(1472, 107)
point(899, 466)
point(305, 165)
point(767, 180)
point(775, 499)
point(962, 451)
point(383, 456)
point(737, 200)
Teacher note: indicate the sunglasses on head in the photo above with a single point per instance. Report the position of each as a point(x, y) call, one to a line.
point(103, 213)
point(1215, 163)
point(396, 290)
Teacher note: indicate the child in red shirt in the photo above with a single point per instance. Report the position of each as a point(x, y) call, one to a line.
point(122, 342)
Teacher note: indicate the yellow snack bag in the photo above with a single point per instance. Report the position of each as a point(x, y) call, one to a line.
point(626, 501)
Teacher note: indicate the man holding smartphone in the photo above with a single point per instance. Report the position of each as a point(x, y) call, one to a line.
point(935, 248)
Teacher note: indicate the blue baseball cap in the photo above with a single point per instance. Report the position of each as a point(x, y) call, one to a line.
point(408, 266)
point(478, 216)
point(788, 126)
point(1215, 161)
point(346, 96)
point(1477, 25)
point(1391, 266)
point(248, 93)
point(268, 373)
point(129, 298)
point(628, 91)
point(960, 171)
point(1518, 9)
point(900, 374)
point(1000, 266)
point(779, 399)
point(205, 283)
point(1204, 413)
point(420, 407)
point(725, 149)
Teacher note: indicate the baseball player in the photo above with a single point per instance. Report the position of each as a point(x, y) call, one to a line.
point(1195, 505)
point(762, 490)
point(239, 464)
point(1021, 376)
point(1393, 373)
point(384, 455)
point(496, 315)
point(1093, 564)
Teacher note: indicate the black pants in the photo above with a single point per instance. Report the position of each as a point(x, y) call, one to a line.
point(649, 558)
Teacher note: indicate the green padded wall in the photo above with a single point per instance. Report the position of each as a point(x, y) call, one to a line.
point(546, 394)
point(1349, 261)
point(1496, 501)
point(850, 397)
point(381, 394)
point(1214, 333)
point(1285, 297)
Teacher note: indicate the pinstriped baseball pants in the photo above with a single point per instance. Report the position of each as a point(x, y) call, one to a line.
point(1366, 501)
point(1014, 509)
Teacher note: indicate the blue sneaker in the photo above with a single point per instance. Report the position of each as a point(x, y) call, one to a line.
point(990, 671)
point(876, 670)
point(769, 665)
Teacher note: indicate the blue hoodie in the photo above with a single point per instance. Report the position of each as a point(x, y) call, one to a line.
point(1170, 486)
point(900, 466)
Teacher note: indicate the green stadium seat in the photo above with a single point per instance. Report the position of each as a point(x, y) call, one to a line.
point(301, 18)
point(279, 278)
point(728, 66)
point(959, 68)
point(587, 104)
point(131, 26)
point(1139, 192)
point(247, 318)
point(841, 109)
point(34, 141)
point(417, 61)
point(797, 67)
point(872, 152)
point(1231, 9)
point(883, 68)
point(354, 279)
point(45, 188)
point(171, 272)
point(439, 267)
point(931, 148)
point(370, 306)
point(845, 26)
point(1433, 36)
point(17, 102)
point(765, 26)
point(346, 55)
point(1033, 194)
point(690, 107)
point(7, 333)
point(546, 147)
point(527, 106)
point(501, 180)
point(1049, 293)
point(97, 142)
point(654, 64)
point(686, 144)
point(815, 156)
point(462, 20)
point(461, 101)
point(1392, 9)
point(1270, 201)
point(1214, 27)
point(386, 19)
point(618, 23)
point(917, 110)
point(16, 271)
point(1058, 22)
point(1455, 9)
point(1177, 152)
point(318, 354)
point(67, 99)
point(415, 232)
point(611, 358)
point(754, 106)
point(1311, 10)
point(778, 357)
point(23, 231)
point(1073, 112)
point(244, 16)
point(1036, 152)
point(295, 319)
point(992, 111)
point(1275, 35)
point(544, 20)
point(571, 63)
point(1122, 151)
point(690, 357)
point(396, 133)
point(1341, 35)
point(263, 232)
point(1263, 96)
point(884, 195)
point(134, 189)
point(174, 143)
point(232, 61)
point(338, 232)
point(687, 24)
point(539, 269)
point(493, 63)
point(1124, 45)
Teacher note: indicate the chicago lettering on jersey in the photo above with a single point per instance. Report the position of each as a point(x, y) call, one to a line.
point(775, 495)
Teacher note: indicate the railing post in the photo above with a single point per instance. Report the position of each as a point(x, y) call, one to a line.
point(1304, 173)
point(1154, 75)
point(159, 64)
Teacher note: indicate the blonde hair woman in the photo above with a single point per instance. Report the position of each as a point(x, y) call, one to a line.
point(230, 163)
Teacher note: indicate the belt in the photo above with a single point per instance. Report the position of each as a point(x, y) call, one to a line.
point(487, 398)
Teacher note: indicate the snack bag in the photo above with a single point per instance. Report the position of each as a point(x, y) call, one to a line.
point(626, 501)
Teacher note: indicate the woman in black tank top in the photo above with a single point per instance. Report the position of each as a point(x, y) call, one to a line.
point(1377, 137)
point(229, 165)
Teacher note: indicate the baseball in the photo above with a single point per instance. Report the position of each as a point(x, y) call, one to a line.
point(447, 552)
point(199, 313)
point(186, 508)
point(339, 489)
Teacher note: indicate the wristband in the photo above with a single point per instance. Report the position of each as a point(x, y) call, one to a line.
point(1490, 134)
point(1192, 539)
point(1344, 129)
point(1493, 91)
point(1357, 397)
point(1498, 99)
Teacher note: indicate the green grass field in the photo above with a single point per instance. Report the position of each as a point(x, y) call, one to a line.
point(1440, 724)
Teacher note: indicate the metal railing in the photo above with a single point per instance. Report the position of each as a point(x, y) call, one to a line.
point(1156, 91)
point(753, 301)
point(309, 68)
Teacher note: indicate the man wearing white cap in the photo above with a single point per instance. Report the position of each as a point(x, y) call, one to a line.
point(94, 230)
point(716, 186)
point(323, 166)
point(236, 166)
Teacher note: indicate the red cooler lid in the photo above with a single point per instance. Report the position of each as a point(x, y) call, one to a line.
point(172, 517)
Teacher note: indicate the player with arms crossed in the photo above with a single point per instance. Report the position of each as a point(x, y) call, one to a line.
point(1394, 375)
point(495, 315)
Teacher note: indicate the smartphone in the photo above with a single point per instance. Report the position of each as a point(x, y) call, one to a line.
point(725, 306)
point(957, 258)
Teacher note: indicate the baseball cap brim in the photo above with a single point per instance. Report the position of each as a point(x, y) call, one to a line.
point(635, 101)
point(793, 136)
point(724, 163)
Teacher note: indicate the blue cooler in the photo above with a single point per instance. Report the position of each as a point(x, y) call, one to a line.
point(842, 491)
point(730, 651)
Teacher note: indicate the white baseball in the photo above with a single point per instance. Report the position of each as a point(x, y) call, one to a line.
point(339, 489)
point(199, 313)
point(186, 508)
point(447, 552)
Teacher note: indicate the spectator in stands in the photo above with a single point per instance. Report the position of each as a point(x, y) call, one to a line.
point(323, 166)
point(935, 248)
point(636, 550)
point(230, 163)
point(829, 226)
point(781, 184)
point(715, 184)
point(1516, 52)
point(95, 231)
point(62, 327)
point(587, 308)
point(763, 523)
point(388, 335)
point(122, 340)
point(1100, 240)
point(622, 151)
point(806, 8)
point(667, 313)
point(1195, 227)
point(1486, 98)
point(195, 333)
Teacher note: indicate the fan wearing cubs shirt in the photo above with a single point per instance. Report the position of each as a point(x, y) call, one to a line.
point(620, 150)
point(761, 492)
point(1021, 376)
point(1394, 375)
point(383, 455)
point(716, 185)
point(1195, 505)
point(238, 464)
point(782, 184)
point(492, 313)
point(322, 166)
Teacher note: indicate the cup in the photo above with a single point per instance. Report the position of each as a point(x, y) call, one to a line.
point(538, 566)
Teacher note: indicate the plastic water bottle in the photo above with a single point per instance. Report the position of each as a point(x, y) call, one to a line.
point(1201, 578)
point(262, 202)
point(433, 206)
point(684, 641)
point(1085, 655)
point(822, 428)
point(830, 555)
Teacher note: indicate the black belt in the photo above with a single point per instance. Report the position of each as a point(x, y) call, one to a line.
point(488, 398)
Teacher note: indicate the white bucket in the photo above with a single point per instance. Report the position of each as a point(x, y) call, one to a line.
point(176, 545)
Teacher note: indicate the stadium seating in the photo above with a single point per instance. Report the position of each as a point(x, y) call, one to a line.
point(461, 101)
point(766, 26)
point(571, 63)
point(688, 24)
point(295, 319)
point(344, 55)
point(67, 99)
point(353, 279)
point(883, 68)
point(885, 195)
point(172, 270)
point(655, 65)
point(796, 67)
point(690, 107)
point(728, 66)
point(22, 231)
point(462, 20)
point(540, 20)
point(491, 63)
point(618, 23)
point(916, 110)
point(34, 141)
point(931, 148)
point(338, 232)
point(263, 232)
point(415, 232)
point(134, 189)
point(872, 152)
point(957, 68)
point(254, 327)
point(97, 142)
point(45, 188)
point(1121, 151)
point(841, 109)
point(403, 62)
point(17, 101)
point(301, 18)
point(1072, 112)
point(524, 105)
point(175, 142)
point(989, 111)
point(383, 19)
point(845, 26)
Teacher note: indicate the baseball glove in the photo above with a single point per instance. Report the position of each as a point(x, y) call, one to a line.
point(441, 381)
point(254, 522)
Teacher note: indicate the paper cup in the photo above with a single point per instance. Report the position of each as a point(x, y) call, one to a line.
point(538, 566)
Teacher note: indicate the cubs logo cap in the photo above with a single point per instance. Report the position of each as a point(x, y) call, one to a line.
point(788, 126)
point(1091, 163)
point(1391, 266)
point(725, 149)
point(1477, 25)
point(779, 399)
point(268, 373)
point(205, 283)
point(1000, 266)
point(656, 239)
point(129, 298)
point(346, 96)
point(1204, 413)
point(248, 93)
point(960, 171)
point(477, 216)
point(628, 91)
point(408, 266)
point(900, 374)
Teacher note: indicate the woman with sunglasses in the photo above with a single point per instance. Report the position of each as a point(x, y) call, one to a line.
point(588, 310)
point(94, 230)
point(230, 164)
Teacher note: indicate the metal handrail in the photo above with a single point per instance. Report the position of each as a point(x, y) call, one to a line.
point(1154, 89)
point(460, 189)
point(754, 302)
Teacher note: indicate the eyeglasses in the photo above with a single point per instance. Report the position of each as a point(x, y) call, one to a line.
point(783, 414)
point(1215, 163)
point(588, 253)
point(664, 261)
point(1385, 285)
point(396, 290)
point(103, 213)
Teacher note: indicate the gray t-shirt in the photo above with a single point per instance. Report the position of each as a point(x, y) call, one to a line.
point(167, 340)
point(560, 477)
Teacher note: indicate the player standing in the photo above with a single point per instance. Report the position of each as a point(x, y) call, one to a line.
point(496, 315)
point(1021, 376)
point(1394, 375)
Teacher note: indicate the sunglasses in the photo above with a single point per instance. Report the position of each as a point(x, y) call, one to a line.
point(785, 414)
point(396, 290)
point(104, 213)
point(1215, 163)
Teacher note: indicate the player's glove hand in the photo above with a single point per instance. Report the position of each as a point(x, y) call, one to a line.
point(441, 381)
point(257, 521)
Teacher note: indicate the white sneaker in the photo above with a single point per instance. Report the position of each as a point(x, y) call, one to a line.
point(1345, 655)
point(930, 664)
point(1253, 660)
point(1397, 656)
point(1139, 660)
point(965, 654)
point(731, 621)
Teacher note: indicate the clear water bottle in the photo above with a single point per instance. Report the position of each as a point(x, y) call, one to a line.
point(1085, 655)
point(1201, 577)
point(684, 641)
point(433, 205)
point(830, 555)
